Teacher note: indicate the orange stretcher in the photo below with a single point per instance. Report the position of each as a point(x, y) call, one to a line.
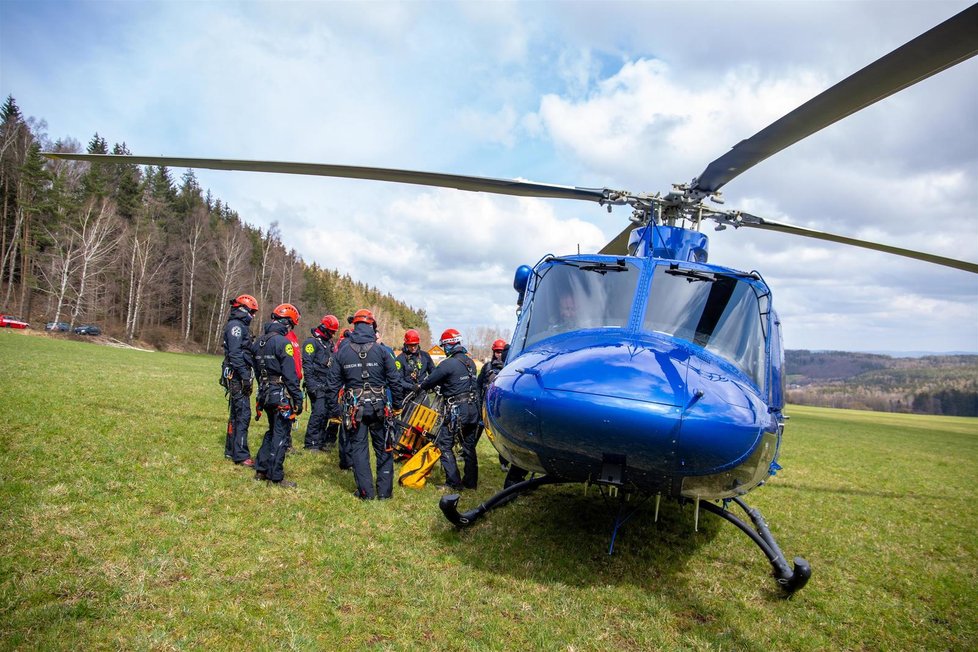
point(420, 418)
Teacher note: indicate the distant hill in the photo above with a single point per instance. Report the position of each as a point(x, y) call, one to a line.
point(933, 384)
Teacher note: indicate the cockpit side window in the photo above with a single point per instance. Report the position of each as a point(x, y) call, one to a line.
point(724, 314)
point(574, 295)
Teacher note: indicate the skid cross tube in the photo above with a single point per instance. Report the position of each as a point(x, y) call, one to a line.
point(788, 579)
point(449, 503)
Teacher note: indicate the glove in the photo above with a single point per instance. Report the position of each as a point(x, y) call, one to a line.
point(416, 388)
point(297, 405)
point(247, 386)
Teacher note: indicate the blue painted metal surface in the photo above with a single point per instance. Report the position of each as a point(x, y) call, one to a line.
point(669, 243)
point(605, 366)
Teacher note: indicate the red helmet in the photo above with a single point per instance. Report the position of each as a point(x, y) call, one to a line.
point(245, 300)
point(330, 323)
point(451, 336)
point(412, 337)
point(287, 311)
point(499, 345)
point(364, 316)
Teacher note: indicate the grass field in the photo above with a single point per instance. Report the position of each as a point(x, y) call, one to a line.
point(123, 527)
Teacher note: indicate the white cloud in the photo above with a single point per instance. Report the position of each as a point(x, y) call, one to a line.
point(573, 93)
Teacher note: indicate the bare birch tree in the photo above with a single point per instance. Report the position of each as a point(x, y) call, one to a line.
point(147, 261)
point(58, 267)
point(268, 244)
point(97, 236)
point(231, 264)
point(194, 246)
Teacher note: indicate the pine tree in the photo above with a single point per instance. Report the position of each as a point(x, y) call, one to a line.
point(125, 182)
point(96, 181)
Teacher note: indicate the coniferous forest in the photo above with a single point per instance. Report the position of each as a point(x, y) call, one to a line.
point(148, 257)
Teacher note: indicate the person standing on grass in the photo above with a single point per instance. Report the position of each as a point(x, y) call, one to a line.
point(317, 355)
point(488, 374)
point(237, 377)
point(365, 371)
point(278, 392)
point(456, 376)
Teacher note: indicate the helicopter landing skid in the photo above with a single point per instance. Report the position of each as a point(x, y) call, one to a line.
point(788, 579)
point(449, 503)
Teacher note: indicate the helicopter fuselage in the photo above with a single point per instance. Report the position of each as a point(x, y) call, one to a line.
point(661, 375)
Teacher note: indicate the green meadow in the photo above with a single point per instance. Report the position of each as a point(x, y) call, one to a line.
point(123, 527)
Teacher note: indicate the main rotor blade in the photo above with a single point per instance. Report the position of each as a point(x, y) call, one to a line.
point(760, 223)
point(461, 182)
point(946, 45)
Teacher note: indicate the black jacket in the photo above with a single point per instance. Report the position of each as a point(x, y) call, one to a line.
point(238, 352)
point(414, 368)
point(455, 375)
point(487, 374)
point(317, 355)
point(351, 371)
point(274, 358)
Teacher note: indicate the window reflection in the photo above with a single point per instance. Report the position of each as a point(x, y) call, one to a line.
point(573, 295)
point(723, 314)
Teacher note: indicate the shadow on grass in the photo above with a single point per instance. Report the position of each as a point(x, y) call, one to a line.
point(559, 537)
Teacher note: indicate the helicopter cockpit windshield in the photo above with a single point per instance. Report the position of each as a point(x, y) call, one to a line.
point(573, 295)
point(722, 313)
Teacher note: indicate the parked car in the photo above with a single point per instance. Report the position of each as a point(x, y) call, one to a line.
point(88, 329)
point(7, 321)
point(57, 326)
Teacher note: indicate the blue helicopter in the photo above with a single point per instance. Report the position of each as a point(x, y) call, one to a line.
point(644, 369)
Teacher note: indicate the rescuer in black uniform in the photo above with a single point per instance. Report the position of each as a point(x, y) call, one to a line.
point(237, 377)
point(317, 355)
point(456, 376)
point(278, 392)
point(489, 370)
point(414, 364)
point(366, 371)
point(487, 374)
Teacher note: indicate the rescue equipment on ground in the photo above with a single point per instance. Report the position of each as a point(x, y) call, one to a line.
point(414, 473)
point(420, 418)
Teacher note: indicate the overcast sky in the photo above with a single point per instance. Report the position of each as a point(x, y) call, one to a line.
point(625, 95)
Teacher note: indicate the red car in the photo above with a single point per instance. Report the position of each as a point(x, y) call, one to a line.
point(6, 321)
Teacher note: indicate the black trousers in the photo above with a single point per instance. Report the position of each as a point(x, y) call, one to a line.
point(343, 448)
point(331, 432)
point(239, 418)
point(271, 455)
point(318, 418)
point(372, 426)
point(466, 418)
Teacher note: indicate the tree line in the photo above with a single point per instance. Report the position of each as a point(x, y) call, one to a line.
point(150, 258)
point(940, 384)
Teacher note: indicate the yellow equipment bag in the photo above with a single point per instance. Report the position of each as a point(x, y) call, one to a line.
point(423, 417)
point(414, 472)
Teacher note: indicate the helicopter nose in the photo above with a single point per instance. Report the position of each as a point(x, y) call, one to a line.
point(593, 397)
point(664, 408)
